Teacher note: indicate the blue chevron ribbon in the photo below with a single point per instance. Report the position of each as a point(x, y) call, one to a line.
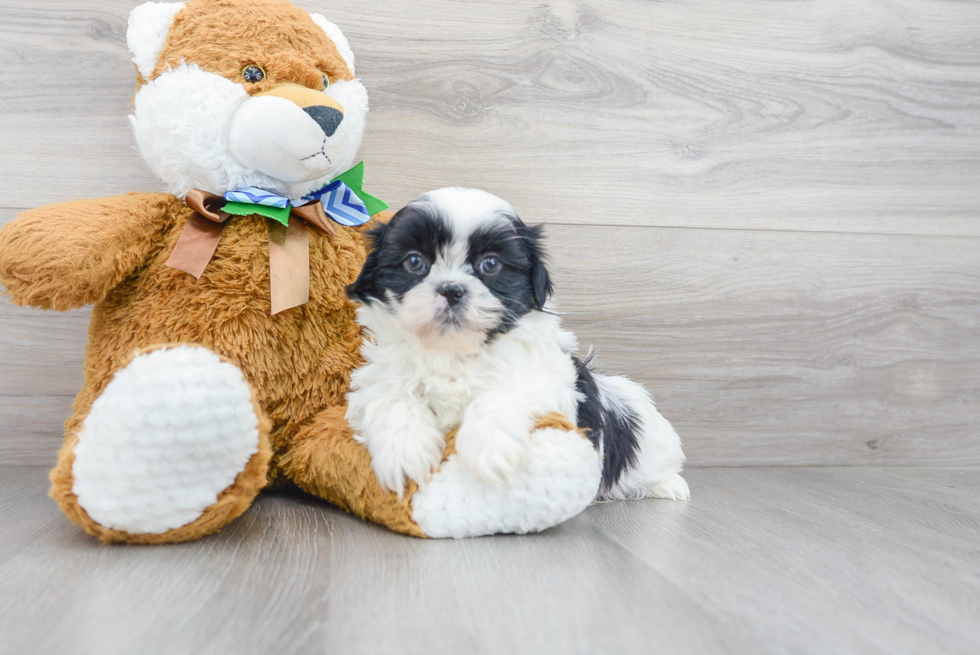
point(341, 204)
point(251, 195)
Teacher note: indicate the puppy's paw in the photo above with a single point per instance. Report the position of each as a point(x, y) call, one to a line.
point(406, 451)
point(492, 448)
point(673, 487)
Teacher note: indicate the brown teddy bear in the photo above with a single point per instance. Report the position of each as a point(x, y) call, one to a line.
point(222, 342)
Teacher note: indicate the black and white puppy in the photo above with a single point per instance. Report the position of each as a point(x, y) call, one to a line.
point(459, 336)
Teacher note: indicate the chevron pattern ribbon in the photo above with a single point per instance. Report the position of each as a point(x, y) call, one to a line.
point(343, 201)
point(341, 204)
point(254, 196)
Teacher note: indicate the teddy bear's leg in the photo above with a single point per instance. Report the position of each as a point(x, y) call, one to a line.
point(560, 477)
point(324, 460)
point(175, 447)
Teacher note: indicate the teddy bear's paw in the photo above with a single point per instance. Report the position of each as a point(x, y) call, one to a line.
point(169, 434)
point(558, 478)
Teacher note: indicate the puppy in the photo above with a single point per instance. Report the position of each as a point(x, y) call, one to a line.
point(454, 301)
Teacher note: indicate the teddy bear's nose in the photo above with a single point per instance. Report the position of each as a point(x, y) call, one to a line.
point(327, 118)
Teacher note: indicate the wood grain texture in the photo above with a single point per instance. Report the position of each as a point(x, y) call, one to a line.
point(789, 343)
point(855, 560)
point(757, 114)
point(787, 348)
point(31, 428)
point(762, 347)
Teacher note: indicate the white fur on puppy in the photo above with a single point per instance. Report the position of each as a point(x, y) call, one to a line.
point(459, 336)
point(492, 394)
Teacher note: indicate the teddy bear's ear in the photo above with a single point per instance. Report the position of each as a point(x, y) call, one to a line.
point(149, 25)
point(338, 38)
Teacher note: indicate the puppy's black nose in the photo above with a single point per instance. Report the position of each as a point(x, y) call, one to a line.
point(454, 293)
point(327, 118)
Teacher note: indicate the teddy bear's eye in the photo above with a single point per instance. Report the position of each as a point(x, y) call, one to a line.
point(253, 74)
point(326, 82)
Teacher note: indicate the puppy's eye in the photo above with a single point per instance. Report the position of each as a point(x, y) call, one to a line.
point(326, 82)
point(253, 74)
point(490, 265)
point(414, 263)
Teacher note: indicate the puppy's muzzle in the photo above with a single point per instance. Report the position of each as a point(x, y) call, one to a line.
point(453, 293)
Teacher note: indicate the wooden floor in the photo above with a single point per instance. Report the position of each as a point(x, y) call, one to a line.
point(764, 560)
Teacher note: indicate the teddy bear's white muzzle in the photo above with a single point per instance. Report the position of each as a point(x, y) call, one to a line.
point(278, 138)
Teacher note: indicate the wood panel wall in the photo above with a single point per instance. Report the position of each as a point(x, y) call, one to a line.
point(768, 212)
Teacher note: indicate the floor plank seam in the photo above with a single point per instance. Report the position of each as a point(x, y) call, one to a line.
point(917, 235)
point(669, 226)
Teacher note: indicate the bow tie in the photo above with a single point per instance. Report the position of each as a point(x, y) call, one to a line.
point(343, 201)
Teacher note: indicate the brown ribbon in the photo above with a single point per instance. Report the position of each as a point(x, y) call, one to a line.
point(289, 247)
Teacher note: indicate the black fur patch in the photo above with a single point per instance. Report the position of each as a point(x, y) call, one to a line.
point(618, 433)
point(415, 228)
point(523, 283)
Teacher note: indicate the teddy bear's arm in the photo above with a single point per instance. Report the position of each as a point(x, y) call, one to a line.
point(72, 254)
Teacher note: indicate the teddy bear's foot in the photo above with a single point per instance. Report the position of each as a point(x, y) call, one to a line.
point(175, 447)
point(558, 479)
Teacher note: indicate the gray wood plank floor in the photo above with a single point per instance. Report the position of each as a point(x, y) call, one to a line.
point(767, 560)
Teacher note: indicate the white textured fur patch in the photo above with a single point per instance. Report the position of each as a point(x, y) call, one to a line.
point(180, 121)
point(147, 32)
point(558, 480)
point(169, 433)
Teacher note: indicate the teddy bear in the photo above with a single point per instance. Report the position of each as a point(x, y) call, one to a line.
point(222, 342)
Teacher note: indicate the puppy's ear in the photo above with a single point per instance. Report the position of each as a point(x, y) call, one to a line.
point(377, 235)
point(541, 285)
point(365, 287)
point(541, 282)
